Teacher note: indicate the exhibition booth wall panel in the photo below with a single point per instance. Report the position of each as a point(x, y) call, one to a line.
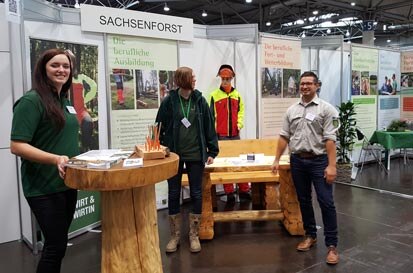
point(9, 198)
point(205, 56)
point(73, 34)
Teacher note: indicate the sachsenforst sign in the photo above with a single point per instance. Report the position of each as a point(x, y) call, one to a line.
point(135, 23)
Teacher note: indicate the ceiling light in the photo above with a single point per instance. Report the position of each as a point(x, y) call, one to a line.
point(300, 21)
point(204, 13)
point(315, 12)
point(347, 33)
point(328, 31)
point(384, 27)
point(77, 6)
point(353, 4)
point(348, 42)
point(268, 24)
point(248, 1)
point(388, 40)
point(166, 8)
point(303, 36)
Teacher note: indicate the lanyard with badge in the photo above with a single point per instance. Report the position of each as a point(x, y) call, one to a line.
point(185, 120)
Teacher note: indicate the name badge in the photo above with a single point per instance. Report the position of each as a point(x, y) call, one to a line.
point(310, 116)
point(71, 109)
point(186, 122)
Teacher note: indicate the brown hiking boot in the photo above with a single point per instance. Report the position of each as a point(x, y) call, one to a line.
point(332, 255)
point(306, 244)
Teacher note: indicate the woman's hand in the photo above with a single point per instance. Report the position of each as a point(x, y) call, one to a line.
point(61, 160)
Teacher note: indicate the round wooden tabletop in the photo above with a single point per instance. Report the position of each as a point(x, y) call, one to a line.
point(119, 178)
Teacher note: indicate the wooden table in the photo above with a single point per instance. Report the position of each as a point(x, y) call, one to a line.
point(130, 240)
point(392, 140)
point(282, 206)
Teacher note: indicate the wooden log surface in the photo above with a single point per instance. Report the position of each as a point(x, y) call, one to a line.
point(119, 178)
point(248, 215)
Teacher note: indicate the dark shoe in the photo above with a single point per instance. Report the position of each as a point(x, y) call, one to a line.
point(306, 244)
point(332, 255)
point(230, 199)
point(245, 196)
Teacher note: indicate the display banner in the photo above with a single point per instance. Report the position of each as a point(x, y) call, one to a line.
point(84, 97)
point(141, 73)
point(388, 110)
point(280, 76)
point(389, 73)
point(366, 112)
point(135, 23)
point(364, 63)
point(364, 90)
point(406, 83)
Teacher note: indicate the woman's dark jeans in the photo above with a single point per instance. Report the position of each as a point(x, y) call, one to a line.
point(307, 171)
point(194, 170)
point(54, 213)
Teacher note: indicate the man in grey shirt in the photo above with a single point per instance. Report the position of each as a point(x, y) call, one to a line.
point(309, 130)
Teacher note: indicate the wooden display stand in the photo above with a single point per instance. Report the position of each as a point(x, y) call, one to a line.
point(153, 154)
point(130, 240)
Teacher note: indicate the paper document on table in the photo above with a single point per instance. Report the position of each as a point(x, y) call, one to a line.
point(108, 154)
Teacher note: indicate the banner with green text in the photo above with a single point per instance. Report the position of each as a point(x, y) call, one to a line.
point(141, 73)
point(280, 75)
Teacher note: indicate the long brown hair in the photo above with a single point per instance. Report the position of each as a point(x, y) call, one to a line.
point(183, 77)
point(46, 89)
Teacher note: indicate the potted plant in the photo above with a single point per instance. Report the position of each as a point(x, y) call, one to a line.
point(397, 125)
point(346, 137)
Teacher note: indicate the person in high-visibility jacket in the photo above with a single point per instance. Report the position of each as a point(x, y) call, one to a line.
point(228, 108)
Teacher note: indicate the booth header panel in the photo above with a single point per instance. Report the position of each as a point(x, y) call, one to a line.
point(135, 23)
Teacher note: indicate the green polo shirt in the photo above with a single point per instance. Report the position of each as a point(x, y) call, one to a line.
point(31, 125)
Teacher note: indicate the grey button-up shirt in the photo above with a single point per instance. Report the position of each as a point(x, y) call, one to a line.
point(307, 127)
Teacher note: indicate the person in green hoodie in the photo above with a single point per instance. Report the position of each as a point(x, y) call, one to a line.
point(187, 129)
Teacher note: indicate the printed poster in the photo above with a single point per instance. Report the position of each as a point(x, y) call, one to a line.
point(364, 71)
point(388, 110)
point(406, 85)
point(141, 73)
point(389, 72)
point(280, 76)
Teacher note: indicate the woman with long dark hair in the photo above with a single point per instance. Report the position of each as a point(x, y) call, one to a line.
point(45, 135)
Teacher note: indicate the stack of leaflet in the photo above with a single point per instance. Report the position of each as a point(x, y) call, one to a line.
point(103, 159)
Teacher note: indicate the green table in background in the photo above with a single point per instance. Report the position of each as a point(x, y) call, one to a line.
point(392, 140)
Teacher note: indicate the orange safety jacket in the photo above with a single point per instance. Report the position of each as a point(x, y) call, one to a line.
point(228, 110)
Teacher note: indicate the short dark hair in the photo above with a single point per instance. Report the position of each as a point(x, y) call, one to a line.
point(310, 74)
point(183, 77)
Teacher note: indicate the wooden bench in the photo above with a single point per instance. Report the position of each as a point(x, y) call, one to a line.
point(274, 192)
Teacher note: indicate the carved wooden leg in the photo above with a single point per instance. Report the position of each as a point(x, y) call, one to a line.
point(206, 229)
point(289, 204)
point(130, 241)
point(272, 196)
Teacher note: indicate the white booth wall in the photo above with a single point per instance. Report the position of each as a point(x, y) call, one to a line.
point(326, 64)
point(9, 198)
point(205, 56)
